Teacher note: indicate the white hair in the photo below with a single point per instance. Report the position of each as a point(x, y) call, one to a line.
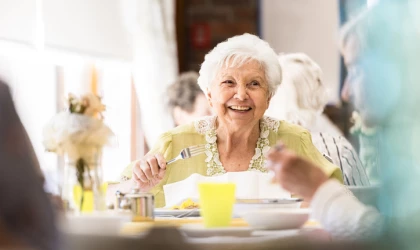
point(236, 51)
point(304, 75)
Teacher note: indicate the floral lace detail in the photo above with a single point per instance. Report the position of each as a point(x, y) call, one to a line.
point(124, 178)
point(206, 126)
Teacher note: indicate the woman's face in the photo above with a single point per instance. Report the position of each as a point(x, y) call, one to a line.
point(355, 75)
point(372, 84)
point(239, 96)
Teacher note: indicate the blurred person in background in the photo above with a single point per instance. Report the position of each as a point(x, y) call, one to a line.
point(301, 99)
point(26, 213)
point(302, 96)
point(380, 49)
point(186, 100)
point(365, 131)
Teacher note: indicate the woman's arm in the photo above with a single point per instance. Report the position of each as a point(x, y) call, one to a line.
point(333, 205)
point(342, 215)
point(311, 153)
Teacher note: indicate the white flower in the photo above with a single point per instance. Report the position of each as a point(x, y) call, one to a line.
point(211, 138)
point(265, 149)
point(79, 136)
point(93, 104)
point(209, 156)
point(216, 159)
point(264, 133)
point(257, 154)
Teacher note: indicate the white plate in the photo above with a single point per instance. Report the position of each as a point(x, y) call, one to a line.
point(164, 212)
point(276, 219)
point(97, 223)
point(243, 207)
point(198, 230)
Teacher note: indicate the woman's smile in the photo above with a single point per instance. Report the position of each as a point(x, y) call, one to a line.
point(241, 109)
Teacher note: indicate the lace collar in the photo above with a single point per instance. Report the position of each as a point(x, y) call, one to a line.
point(206, 126)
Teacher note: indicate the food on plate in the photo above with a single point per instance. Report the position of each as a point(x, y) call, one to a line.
point(187, 204)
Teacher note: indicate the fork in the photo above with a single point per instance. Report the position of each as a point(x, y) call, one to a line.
point(188, 153)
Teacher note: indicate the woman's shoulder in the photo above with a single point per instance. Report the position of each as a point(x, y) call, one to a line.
point(197, 127)
point(283, 127)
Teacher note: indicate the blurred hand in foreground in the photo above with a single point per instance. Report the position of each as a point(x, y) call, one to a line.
point(293, 173)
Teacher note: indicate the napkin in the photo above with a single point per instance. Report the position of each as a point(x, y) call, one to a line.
point(249, 185)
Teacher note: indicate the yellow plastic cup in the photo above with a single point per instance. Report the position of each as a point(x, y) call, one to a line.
point(216, 203)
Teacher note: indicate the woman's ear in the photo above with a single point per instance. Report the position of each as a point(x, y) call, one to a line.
point(208, 95)
point(269, 99)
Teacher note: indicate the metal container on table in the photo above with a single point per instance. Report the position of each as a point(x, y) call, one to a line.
point(141, 204)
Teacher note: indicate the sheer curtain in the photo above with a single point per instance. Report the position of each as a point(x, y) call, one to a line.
point(151, 25)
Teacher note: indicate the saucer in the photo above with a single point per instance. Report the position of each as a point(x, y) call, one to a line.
point(198, 230)
point(277, 219)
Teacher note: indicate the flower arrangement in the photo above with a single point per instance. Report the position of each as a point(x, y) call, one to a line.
point(80, 133)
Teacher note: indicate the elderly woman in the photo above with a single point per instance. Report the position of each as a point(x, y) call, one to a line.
point(301, 98)
point(186, 101)
point(239, 77)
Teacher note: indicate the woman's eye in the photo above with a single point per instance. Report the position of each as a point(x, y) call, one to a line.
point(228, 82)
point(255, 83)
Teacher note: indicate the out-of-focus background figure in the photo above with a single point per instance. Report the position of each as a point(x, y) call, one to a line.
point(383, 65)
point(303, 95)
point(26, 214)
point(301, 99)
point(186, 101)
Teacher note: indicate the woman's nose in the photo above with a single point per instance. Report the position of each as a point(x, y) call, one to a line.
point(241, 93)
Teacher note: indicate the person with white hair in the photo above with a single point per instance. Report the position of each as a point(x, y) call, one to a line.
point(239, 77)
point(301, 99)
point(302, 96)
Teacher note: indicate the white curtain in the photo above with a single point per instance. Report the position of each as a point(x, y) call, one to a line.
point(151, 24)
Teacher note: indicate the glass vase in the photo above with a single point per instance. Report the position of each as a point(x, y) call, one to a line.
point(83, 189)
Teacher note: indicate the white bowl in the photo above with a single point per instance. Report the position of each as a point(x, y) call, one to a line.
point(100, 223)
point(276, 219)
point(241, 208)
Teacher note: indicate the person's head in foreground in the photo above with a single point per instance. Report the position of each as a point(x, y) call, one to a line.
point(239, 77)
point(380, 49)
point(186, 101)
point(26, 215)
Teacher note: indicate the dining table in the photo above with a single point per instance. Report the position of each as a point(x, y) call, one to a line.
point(189, 233)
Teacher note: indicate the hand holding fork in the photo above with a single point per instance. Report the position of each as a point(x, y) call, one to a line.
point(150, 170)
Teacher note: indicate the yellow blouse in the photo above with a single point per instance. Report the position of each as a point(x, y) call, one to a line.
point(203, 131)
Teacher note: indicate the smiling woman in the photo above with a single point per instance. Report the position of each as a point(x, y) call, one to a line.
point(239, 77)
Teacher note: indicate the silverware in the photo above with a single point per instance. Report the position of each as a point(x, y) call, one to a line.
point(188, 153)
point(269, 201)
point(188, 213)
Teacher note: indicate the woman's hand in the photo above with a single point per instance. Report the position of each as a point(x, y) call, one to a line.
point(294, 173)
point(149, 171)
